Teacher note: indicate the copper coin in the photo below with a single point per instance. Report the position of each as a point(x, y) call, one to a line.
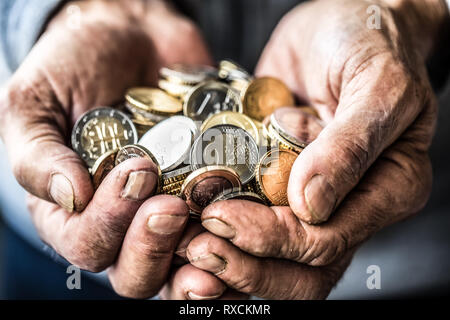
point(296, 126)
point(204, 184)
point(264, 95)
point(273, 175)
point(102, 167)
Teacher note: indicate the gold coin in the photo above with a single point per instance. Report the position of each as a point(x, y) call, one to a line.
point(272, 175)
point(176, 175)
point(101, 130)
point(234, 118)
point(153, 100)
point(202, 185)
point(240, 85)
point(102, 167)
point(230, 70)
point(174, 89)
point(264, 95)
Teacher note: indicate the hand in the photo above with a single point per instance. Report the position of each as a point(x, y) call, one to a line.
point(369, 166)
point(371, 88)
point(120, 44)
point(190, 283)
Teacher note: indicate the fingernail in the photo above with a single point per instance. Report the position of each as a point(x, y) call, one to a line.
point(194, 296)
point(219, 228)
point(61, 191)
point(166, 224)
point(320, 198)
point(140, 185)
point(210, 262)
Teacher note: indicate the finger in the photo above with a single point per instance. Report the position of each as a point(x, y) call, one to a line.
point(146, 254)
point(91, 240)
point(41, 162)
point(265, 278)
point(191, 283)
point(378, 201)
point(192, 230)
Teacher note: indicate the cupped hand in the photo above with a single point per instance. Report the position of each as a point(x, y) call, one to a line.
point(368, 168)
point(119, 44)
point(369, 85)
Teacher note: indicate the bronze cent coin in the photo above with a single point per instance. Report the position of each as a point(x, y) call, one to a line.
point(273, 175)
point(203, 185)
point(102, 167)
point(264, 95)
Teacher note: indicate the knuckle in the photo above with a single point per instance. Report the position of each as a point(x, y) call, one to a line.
point(324, 246)
point(85, 257)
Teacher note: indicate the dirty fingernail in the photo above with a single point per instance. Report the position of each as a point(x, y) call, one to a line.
point(166, 224)
point(219, 228)
point(194, 296)
point(61, 191)
point(320, 198)
point(140, 185)
point(210, 262)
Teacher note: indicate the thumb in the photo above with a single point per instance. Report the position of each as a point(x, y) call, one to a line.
point(32, 126)
point(366, 122)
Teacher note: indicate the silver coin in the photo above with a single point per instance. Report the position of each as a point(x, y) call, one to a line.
point(194, 126)
point(296, 126)
point(238, 194)
point(170, 142)
point(209, 98)
point(101, 130)
point(131, 152)
point(188, 74)
point(226, 145)
point(176, 173)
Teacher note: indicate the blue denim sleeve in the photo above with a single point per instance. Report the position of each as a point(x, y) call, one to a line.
point(21, 22)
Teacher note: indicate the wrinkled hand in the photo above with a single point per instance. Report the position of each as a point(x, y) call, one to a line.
point(120, 44)
point(368, 168)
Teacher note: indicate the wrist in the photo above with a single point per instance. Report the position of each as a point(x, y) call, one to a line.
point(426, 21)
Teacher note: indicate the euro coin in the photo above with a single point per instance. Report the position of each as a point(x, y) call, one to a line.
point(137, 151)
point(272, 175)
point(226, 145)
point(170, 142)
point(153, 100)
point(204, 184)
point(264, 95)
point(174, 89)
point(102, 167)
point(188, 74)
point(234, 118)
point(209, 98)
point(237, 194)
point(101, 130)
point(296, 126)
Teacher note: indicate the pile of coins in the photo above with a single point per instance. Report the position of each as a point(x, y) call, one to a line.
point(214, 133)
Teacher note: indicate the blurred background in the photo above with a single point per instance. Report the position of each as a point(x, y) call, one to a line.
point(413, 256)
